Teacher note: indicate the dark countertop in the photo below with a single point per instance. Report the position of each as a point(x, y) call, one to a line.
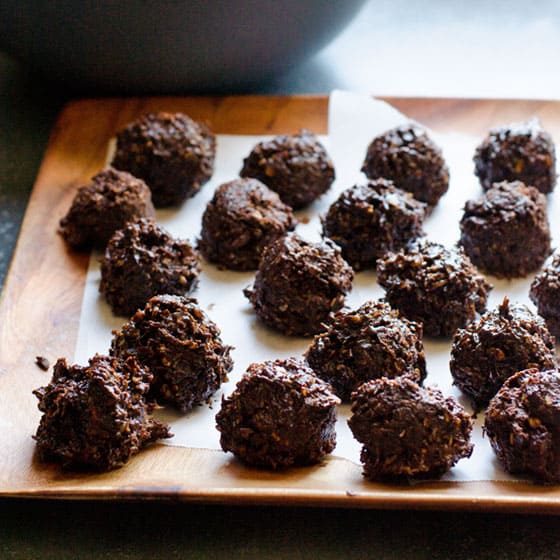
point(72, 529)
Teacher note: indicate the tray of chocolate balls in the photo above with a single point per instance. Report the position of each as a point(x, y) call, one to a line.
point(340, 301)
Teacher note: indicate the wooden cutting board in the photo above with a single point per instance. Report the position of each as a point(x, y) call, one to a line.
point(40, 313)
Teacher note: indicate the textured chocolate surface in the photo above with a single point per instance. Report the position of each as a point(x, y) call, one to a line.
point(505, 231)
point(407, 156)
point(279, 415)
point(433, 285)
point(523, 424)
point(545, 294)
point(517, 152)
point(95, 417)
point(171, 152)
point(243, 217)
point(296, 166)
point(143, 260)
point(364, 344)
point(100, 208)
point(180, 345)
point(369, 220)
point(407, 430)
point(491, 349)
point(299, 285)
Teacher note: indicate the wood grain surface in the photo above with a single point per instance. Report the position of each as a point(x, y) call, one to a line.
point(40, 310)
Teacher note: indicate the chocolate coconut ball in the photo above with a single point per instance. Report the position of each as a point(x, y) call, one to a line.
point(95, 417)
point(371, 342)
point(545, 294)
point(180, 345)
point(491, 349)
point(299, 285)
point(296, 166)
point(522, 422)
point(517, 152)
point(370, 220)
point(505, 232)
point(143, 260)
point(243, 217)
point(104, 206)
point(407, 430)
point(171, 152)
point(407, 156)
point(432, 285)
point(279, 415)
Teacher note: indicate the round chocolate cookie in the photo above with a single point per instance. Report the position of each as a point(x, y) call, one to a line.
point(296, 166)
point(367, 221)
point(299, 284)
point(143, 260)
point(410, 158)
point(517, 152)
point(545, 294)
point(432, 285)
point(279, 415)
point(494, 347)
point(372, 341)
point(182, 347)
point(95, 417)
point(171, 152)
point(407, 430)
point(505, 232)
point(523, 424)
point(243, 217)
point(104, 206)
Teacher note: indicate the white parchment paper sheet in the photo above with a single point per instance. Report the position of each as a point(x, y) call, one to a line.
point(353, 121)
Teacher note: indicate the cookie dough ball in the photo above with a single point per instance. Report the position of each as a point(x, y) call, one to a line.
point(243, 217)
point(545, 294)
point(491, 349)
point(517, 152)
point(299, 285)
point(171, 152)
point(435, 286)
point(407, 430)
point(180, 345)
point(104, 206)
point(522, 422)
point(95, 417)
point(143, 260)
point(505, 232)
point(370, 220)
point(409, 157)
point(296, 166)
point(371, 342)
point(279, 415)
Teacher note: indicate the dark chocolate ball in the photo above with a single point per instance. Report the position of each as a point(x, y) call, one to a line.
point(143, 260)
point(296, 166)
point(95, 417)
point(180, 345)
point(369, 220)
point(433, 285)
point(522, 422)
point(171, 152)
point(279, 415)
point(505, 232)
point(517, 152)
point(407, 430)
point(299, 285)
point(370, 342)
point(243, 217)
point(100, 208)
point(545, 294)
point(491, 349)
point(407, 156)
